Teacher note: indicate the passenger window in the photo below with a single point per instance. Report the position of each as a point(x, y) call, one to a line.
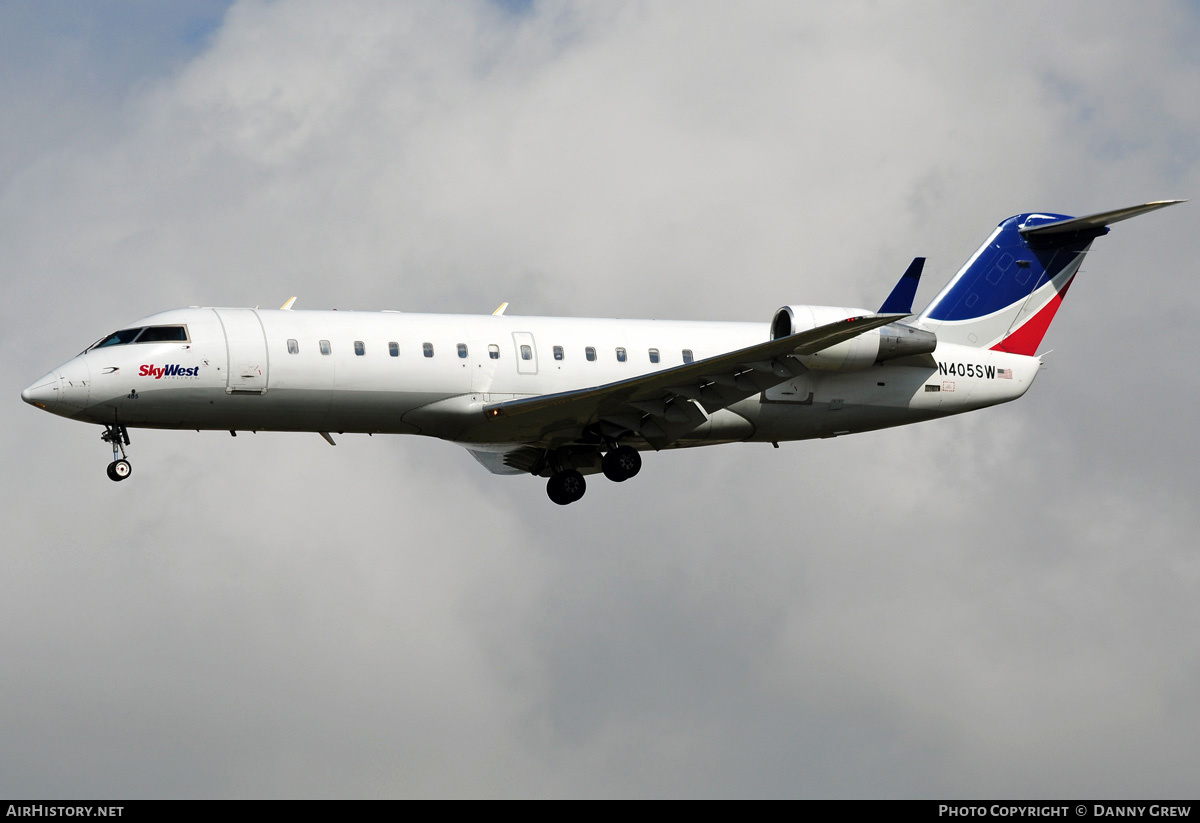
point(394, 349)
point(590, 352)
point(359, 348)
point(558, 353)
point(462, 350)
point(427, 348)
point(526, 353)
point(621, 356)
point(324, 347)
point(654, 355)
point(293, 347)
point(494, 351)
point(687, 356)
point(164, 334)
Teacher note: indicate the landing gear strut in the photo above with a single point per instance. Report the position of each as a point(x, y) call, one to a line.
point(621, 463)
point(566, 487)
point(120, 468)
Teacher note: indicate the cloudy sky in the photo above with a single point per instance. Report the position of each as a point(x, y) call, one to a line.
point(1003, 604)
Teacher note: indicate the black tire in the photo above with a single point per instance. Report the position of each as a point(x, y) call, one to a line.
point(119, 469)
point(621, 463)
point(555, 492)
point(566, 487)
point(574, 484)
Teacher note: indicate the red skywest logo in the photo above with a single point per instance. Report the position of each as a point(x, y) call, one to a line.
point(172, 370)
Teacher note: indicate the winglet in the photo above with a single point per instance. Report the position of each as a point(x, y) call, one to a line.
point(901, 299)
point(500, 309)
point(288, 305)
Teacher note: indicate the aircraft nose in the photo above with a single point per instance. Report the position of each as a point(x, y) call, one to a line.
point(74, 385)
point(44, 393)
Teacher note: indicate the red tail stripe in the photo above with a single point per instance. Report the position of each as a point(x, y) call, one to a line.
point(1026, 339)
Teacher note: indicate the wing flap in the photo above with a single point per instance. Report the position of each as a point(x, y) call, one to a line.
point(513, 460)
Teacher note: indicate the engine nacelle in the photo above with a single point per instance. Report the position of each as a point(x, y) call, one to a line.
point(875, 346)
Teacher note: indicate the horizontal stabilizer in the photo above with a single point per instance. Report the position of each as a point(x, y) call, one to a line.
point(900, 301)
point(1093, 222)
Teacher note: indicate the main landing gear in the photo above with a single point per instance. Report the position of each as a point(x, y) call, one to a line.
point(621, 463)
point(120, 468)
point(618, 464)
point(566, 487)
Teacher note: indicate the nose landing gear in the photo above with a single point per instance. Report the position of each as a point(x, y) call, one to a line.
point(118, 436)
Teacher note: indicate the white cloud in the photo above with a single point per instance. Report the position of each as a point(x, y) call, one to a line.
point(994, 604)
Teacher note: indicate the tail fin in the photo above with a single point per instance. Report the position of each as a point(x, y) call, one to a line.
point(1005, 296)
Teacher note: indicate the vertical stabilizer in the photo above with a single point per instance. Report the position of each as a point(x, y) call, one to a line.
point(1008, 292)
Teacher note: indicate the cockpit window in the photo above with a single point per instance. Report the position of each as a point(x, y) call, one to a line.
point(119, 338)
point(145, 334)
point(164, 334)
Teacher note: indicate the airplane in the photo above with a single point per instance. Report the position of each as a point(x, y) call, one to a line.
point(566, 397)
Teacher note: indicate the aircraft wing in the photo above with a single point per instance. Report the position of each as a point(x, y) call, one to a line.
point(664, 405)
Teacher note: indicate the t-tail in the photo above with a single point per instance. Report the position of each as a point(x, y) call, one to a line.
point(1005, 296)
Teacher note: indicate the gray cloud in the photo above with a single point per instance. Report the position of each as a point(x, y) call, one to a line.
point(998, 604)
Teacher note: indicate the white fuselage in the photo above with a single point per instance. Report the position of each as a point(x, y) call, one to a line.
point(400, 373)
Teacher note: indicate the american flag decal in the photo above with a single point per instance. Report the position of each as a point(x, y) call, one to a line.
point(1004, 374)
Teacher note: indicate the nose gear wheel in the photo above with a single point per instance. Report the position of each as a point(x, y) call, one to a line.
point(118, 436)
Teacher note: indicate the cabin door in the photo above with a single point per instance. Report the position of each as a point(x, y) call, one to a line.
point(246, 342)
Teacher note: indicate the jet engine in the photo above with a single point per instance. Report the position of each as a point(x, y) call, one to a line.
point(875, 346)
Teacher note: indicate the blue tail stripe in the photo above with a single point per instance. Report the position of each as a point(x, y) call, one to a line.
point(1005, 272)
